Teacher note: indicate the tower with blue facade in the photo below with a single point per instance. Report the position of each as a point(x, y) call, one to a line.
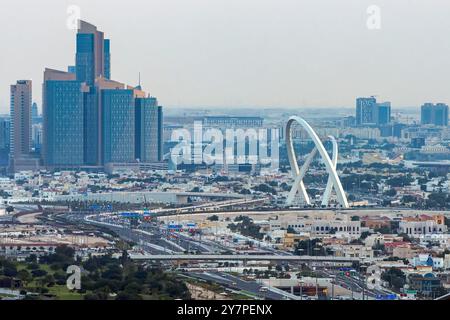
point(91, 120)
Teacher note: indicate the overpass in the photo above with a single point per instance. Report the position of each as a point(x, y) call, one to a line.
point(243, 257)
point(172, 197)
point(211, 206)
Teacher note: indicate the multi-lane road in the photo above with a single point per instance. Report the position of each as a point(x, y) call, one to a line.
point(250, 288)
point(155, 242)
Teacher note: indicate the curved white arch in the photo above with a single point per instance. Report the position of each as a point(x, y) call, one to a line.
point(329, 188)
point(333, 179)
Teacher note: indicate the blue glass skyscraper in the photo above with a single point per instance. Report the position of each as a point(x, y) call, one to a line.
point(93, 54)
point(89, 119)
point(118, 126)
point(148, 130)
point(64, 117)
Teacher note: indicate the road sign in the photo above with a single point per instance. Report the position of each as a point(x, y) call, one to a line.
point(130, 215)
point(386, 297)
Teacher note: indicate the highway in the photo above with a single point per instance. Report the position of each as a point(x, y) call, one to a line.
point(214, 206)
point(356, 284)
point(243, 257)
point(157, 245)
point(236, 283)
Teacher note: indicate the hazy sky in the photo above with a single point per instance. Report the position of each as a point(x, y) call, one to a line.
point(243, 52)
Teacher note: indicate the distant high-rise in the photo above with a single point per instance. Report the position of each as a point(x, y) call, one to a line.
point(369, 112)
point(21, 96)
point(36, 136)
point(365, 108)
point(383, 113)
point(5, 133)
point(34, 111)
point(434, 114)
point(148, 130)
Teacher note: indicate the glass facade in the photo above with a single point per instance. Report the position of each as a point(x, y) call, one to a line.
point(118, 126)
point(91, 127)
point(434, 114)
point(92, 121)
point(107, 59)
point(365, 110)
point(64, 123)
point(85, 58)
point(148, 130)
point(383, 113)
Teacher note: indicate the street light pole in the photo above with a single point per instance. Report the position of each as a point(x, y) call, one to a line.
point(317, 287)
point(351, 285)
point(332, 286)
point(301, 289)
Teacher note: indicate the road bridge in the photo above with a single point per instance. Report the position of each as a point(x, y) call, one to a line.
point(242, 257)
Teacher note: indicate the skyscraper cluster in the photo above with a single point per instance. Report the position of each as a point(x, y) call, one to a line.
point(90, 120)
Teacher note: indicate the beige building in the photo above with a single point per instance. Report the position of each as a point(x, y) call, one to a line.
point(20, 144)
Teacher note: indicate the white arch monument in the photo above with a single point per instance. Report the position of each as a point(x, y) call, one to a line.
point(299, 174)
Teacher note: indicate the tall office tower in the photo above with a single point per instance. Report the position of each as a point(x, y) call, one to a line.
point(93, 55)
point(148, 130)
point(20, 146)
point(118, 125)
point(434, 114)
point(365, 110)
point(383, 113)
point(63, 111)
point(21, 95)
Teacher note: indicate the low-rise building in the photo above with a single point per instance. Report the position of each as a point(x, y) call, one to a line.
point(423, 225)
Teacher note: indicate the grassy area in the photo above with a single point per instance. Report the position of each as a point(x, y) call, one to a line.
point(103, 275)
point(241, 295)
point(63, 293)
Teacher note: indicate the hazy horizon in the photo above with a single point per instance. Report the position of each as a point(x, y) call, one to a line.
point(236, 54)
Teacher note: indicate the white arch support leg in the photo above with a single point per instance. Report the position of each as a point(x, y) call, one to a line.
point(329, 188)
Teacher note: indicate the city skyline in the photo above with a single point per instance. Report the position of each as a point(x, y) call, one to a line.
point(232, 58)
point(304, 156)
